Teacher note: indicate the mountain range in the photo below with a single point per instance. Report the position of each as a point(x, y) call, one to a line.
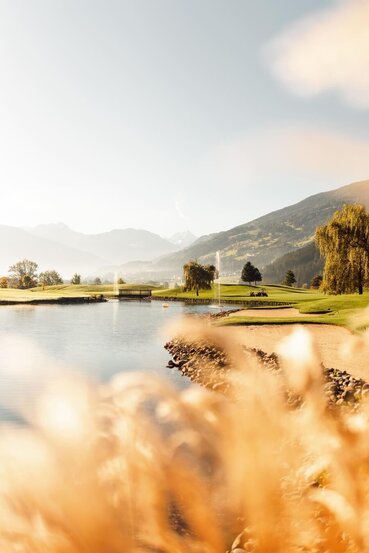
point(56, 246)
point(269, 237)
point(271, 242)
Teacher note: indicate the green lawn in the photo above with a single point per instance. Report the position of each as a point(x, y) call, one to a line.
point(65, 290)
point(89, 289)
point(12, 294)
point(337, 310)
point(237, 292)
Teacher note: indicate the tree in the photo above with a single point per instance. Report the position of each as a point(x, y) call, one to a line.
point(198, 277)
point(50, 278)
point(4, 282)
point(76, 279)
point(306, 262)
point(120, 281)
point(97, 281)
point(249, 273)
point(316, 281)
point(257, 276)
point(289, 279)
point(24, 273)
point(344, 242)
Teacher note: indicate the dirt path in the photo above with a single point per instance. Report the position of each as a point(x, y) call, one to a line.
point(333, 343)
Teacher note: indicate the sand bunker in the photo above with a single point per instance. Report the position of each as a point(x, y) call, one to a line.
point(332, 342)
point(284, 313)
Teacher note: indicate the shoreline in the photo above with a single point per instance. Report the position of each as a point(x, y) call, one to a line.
point(207, 301)
point(250, 304)
point(336, 346)
point(346, 376)
point(64, 300)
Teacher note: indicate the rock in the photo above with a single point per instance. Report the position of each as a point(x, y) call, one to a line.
point(208, 365)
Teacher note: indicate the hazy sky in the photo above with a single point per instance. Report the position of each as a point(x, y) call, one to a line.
point(175, 114)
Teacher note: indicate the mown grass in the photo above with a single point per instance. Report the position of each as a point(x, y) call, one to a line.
point(318, 307)
point(338, 310)
point(341, 319)
point(65, 290)
point(237, 292)
point(13, 294)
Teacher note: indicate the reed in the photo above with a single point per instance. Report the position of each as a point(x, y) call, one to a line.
point(134, 466)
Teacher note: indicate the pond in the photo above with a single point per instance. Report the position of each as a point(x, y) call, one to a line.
point(97, 340)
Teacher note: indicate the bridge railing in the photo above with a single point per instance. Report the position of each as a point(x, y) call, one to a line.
point(128, 292)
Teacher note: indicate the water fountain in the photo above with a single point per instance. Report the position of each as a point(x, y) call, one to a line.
point(116, 285)
point(218, 274)
point(217, 285)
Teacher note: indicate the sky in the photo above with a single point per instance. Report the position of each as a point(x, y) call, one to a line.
point(178, 114)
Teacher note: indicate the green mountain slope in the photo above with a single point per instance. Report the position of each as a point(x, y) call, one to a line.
point(304, 262)
point(271, 236)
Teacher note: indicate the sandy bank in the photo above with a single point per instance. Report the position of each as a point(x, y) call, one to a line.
point(285, 313)
point(332, 341)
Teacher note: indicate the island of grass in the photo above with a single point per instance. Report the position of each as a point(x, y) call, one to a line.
point(65, 293)
point(312, 306)
point(305, 306)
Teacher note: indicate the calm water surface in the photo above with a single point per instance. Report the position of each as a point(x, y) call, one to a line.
point(98, 340)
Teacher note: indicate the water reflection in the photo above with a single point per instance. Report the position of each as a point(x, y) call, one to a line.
point(98, 340)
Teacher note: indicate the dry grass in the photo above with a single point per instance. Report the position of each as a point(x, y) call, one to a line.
point(137, 467)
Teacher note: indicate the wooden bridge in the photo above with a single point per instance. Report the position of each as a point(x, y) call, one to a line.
point(134, 294)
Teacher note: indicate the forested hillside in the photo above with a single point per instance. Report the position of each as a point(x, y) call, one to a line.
point(304, 262)
point(269, 237)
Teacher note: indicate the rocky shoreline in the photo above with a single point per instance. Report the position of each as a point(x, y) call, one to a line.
point(209, 366)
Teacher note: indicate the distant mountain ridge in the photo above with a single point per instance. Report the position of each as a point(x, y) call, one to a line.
point(182, 239)
point(143, 253)
point(56, 246)
point(114, 246)
point(267, 238)
point(17, 244)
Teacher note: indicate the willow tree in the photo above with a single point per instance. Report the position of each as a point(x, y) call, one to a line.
point(344, 242)
point(198, 277)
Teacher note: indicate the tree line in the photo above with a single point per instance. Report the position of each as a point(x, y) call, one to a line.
point(201, 277)
point(24, 274)
point(343, 243)
point(305, 262)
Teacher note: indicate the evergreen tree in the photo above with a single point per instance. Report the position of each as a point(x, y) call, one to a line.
point(316, 281)
point(257, 276)
point(248, 273)
point(289, 279)
point(344, 242)
point(306, 262)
